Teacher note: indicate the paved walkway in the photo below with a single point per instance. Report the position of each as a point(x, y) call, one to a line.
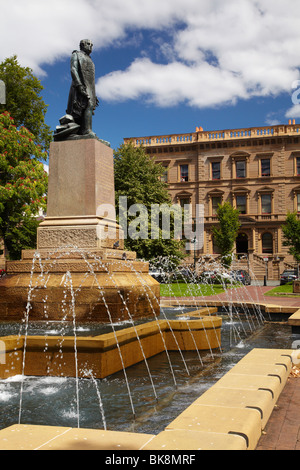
point(256, 294)
point(283, 428)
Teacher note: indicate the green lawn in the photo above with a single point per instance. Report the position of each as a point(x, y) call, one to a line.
point(189, 290)
point(283, 290)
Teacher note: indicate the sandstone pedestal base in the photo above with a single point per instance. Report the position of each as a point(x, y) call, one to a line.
point(93, 286)
point(85, 231)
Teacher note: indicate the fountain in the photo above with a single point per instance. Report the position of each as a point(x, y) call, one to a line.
point(87, 166)
point(81, 280)
point(133, 376)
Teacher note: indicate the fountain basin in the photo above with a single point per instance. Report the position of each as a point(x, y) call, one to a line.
point(294, 321)
point(104, 355)
point(231, 415)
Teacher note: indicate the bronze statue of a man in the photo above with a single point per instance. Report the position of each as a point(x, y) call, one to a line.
point(82, 97)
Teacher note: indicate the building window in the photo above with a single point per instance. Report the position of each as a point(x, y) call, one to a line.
point(241, 204)
point(215, 201)
point(267, 243)
point(164, 176)
point(216, 249)
point(240, 168)
point(184, 173)
point(298, 202)
point(265, 167)
point(298, 166)
point(266, 204)
point(184, 201)
point(216, 170)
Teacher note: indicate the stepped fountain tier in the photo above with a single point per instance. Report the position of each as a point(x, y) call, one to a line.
point(79, 236)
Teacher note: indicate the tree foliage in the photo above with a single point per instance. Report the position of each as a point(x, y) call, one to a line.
point(23, 185)
point(291, 234)
point(23, 100)
point(225, 234)
point(138, 177)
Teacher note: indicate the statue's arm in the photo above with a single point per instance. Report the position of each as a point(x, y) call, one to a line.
point(75, 74)
point(74, 70)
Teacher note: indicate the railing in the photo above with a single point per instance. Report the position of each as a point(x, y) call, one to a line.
point(163, 140)
point(255, 217)
point(214, 136)
point(290, 265)
point(259, 259)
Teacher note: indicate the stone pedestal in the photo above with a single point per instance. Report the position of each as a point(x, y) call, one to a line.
point(80, 267)
point(81, 197)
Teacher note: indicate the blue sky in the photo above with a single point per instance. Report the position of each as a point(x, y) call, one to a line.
point(167, 66)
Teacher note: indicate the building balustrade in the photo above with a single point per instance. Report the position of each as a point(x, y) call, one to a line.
point(254, 217)
point(221, 135)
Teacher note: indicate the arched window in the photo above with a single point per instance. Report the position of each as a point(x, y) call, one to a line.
point(242, 243)
point(216, 249)
point(267, 243)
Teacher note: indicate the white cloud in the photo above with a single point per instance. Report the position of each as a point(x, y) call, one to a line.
point(293, 112)
point(39, 31)
point(227, 51)
point(217, 52)
point(167, 85)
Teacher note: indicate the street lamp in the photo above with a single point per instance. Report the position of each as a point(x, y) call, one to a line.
point(194, 241)
point(266, 260)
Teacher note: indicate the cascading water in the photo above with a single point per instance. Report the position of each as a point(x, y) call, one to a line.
point(127, 399)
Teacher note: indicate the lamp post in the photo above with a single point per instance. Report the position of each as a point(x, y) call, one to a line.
point(266, 260)
point(194, 241)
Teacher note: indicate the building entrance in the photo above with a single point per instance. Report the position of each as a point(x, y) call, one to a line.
point(242, 243)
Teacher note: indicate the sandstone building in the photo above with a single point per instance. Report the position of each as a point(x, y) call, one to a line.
point(256, 169)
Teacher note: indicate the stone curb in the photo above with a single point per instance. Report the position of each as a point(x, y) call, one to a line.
point(231, 415)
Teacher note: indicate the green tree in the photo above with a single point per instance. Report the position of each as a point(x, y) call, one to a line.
point(23, 100)
point(291, 235)
point(225, 234)
point(23, 186)
point(138, 178)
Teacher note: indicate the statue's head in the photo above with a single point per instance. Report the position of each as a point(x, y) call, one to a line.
point(86, 45)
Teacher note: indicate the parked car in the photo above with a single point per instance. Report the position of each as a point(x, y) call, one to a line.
point(288, 275)
point(242, 276)
point(214, 277)
point(159, 275)
point(184, 274)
